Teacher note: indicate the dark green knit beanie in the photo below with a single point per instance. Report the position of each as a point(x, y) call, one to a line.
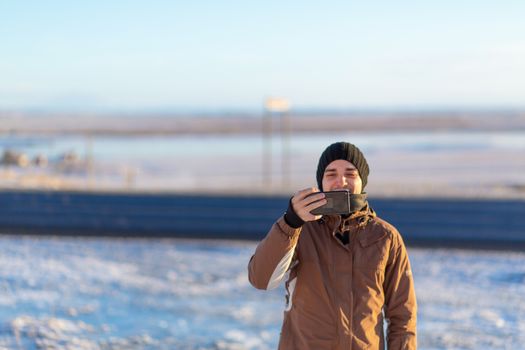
point(346, 151)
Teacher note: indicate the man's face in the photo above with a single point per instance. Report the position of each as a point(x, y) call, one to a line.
point(341, 174)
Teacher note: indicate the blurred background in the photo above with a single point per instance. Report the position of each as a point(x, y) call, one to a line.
point(233, 98)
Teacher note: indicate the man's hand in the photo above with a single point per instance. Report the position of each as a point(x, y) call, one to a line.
point(303, 205)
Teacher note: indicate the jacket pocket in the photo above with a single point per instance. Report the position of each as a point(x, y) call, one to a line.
point(371, 256)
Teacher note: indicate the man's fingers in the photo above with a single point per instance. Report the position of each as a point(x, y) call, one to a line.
point(300, 205)
point(306, 200)
point(304, 212)
point(313, 198)
point(302, 194)
point(315, 205)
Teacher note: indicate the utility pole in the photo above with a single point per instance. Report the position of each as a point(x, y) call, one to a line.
point(285, 151)
point(279, 106)
point(267, 150)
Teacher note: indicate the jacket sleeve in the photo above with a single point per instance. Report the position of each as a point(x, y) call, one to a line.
point(400, 299)
point(273, 256)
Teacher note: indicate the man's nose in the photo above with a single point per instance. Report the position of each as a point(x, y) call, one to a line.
point(341, 181)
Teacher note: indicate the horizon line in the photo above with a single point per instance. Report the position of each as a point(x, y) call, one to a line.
point(301, 110)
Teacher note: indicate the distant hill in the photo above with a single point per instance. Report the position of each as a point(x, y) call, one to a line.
point(300, 122)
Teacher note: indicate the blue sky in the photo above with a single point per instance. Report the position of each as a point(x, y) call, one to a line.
point(230, 55)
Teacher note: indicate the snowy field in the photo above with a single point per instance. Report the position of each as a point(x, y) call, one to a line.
point(73, 293)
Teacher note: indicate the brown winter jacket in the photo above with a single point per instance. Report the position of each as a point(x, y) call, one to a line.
point(337, 295)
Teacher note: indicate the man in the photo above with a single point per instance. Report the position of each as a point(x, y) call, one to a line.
point(345, 274)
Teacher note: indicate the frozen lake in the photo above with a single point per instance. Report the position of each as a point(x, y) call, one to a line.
point(194, 294)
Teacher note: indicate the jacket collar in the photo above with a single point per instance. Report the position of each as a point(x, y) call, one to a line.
point(354, 220)
point(360, 219)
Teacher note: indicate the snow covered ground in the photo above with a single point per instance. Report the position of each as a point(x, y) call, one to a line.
point(98, 293)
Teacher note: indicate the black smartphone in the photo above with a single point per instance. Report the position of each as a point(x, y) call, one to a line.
point(340, 202)
point(337, 202)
